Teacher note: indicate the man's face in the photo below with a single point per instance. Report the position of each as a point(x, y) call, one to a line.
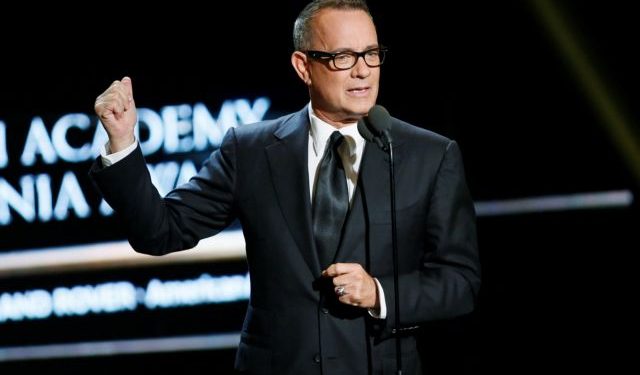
point(342, 96)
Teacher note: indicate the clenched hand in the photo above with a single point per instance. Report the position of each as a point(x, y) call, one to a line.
point(117, 112)
point(353, 285)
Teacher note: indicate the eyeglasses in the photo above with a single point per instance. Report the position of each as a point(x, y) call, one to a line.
point(344, 60)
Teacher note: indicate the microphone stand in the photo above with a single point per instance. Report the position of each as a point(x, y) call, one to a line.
point(388, 147)
point(378, 131)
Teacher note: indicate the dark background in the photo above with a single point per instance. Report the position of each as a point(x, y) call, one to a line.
point(558, 287)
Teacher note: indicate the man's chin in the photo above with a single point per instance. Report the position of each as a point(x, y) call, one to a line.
point(360, 111)
point(353, 113)
point(355, 116)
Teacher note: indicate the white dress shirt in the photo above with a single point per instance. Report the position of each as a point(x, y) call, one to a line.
point(109, 159)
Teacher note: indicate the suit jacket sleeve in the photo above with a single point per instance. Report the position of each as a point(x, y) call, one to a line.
point(446, 283)
point(155, 225)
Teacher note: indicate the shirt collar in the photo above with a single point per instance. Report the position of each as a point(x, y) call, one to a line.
point(321, 131)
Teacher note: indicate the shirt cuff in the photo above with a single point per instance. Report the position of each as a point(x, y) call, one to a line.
point(110, 159)
point(382, 314)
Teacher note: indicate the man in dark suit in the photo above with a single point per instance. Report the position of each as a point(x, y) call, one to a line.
point(312, 312)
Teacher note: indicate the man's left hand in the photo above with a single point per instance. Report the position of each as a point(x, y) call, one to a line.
point(353, 285)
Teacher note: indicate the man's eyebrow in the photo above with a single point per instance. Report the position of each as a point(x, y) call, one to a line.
point(371, 46)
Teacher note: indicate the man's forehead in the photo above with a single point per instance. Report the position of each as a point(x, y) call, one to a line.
point(343, 29)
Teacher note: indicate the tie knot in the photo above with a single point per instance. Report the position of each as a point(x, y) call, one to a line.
point(335, 140)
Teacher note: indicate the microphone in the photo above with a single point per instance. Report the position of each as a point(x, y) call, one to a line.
point(375, 128)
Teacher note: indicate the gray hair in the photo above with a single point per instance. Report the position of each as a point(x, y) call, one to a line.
point(302, 26)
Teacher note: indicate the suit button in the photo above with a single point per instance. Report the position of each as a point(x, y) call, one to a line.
point(316, 358)
point(324, 310)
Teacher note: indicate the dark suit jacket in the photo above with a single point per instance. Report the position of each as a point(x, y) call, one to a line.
point(294, 324)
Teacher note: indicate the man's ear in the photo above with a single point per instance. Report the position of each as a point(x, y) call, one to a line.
point(299, 62)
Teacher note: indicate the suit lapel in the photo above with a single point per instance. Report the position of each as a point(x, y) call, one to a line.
point(372, 193)
point(289, 172)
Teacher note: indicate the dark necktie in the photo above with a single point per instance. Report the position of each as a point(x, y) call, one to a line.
point(330, 201)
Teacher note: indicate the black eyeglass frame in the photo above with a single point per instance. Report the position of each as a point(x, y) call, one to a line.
point(331, 56)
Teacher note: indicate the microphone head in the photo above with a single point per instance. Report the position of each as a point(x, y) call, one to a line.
point(379, 119)
point(375, 127)
point(364, 131)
